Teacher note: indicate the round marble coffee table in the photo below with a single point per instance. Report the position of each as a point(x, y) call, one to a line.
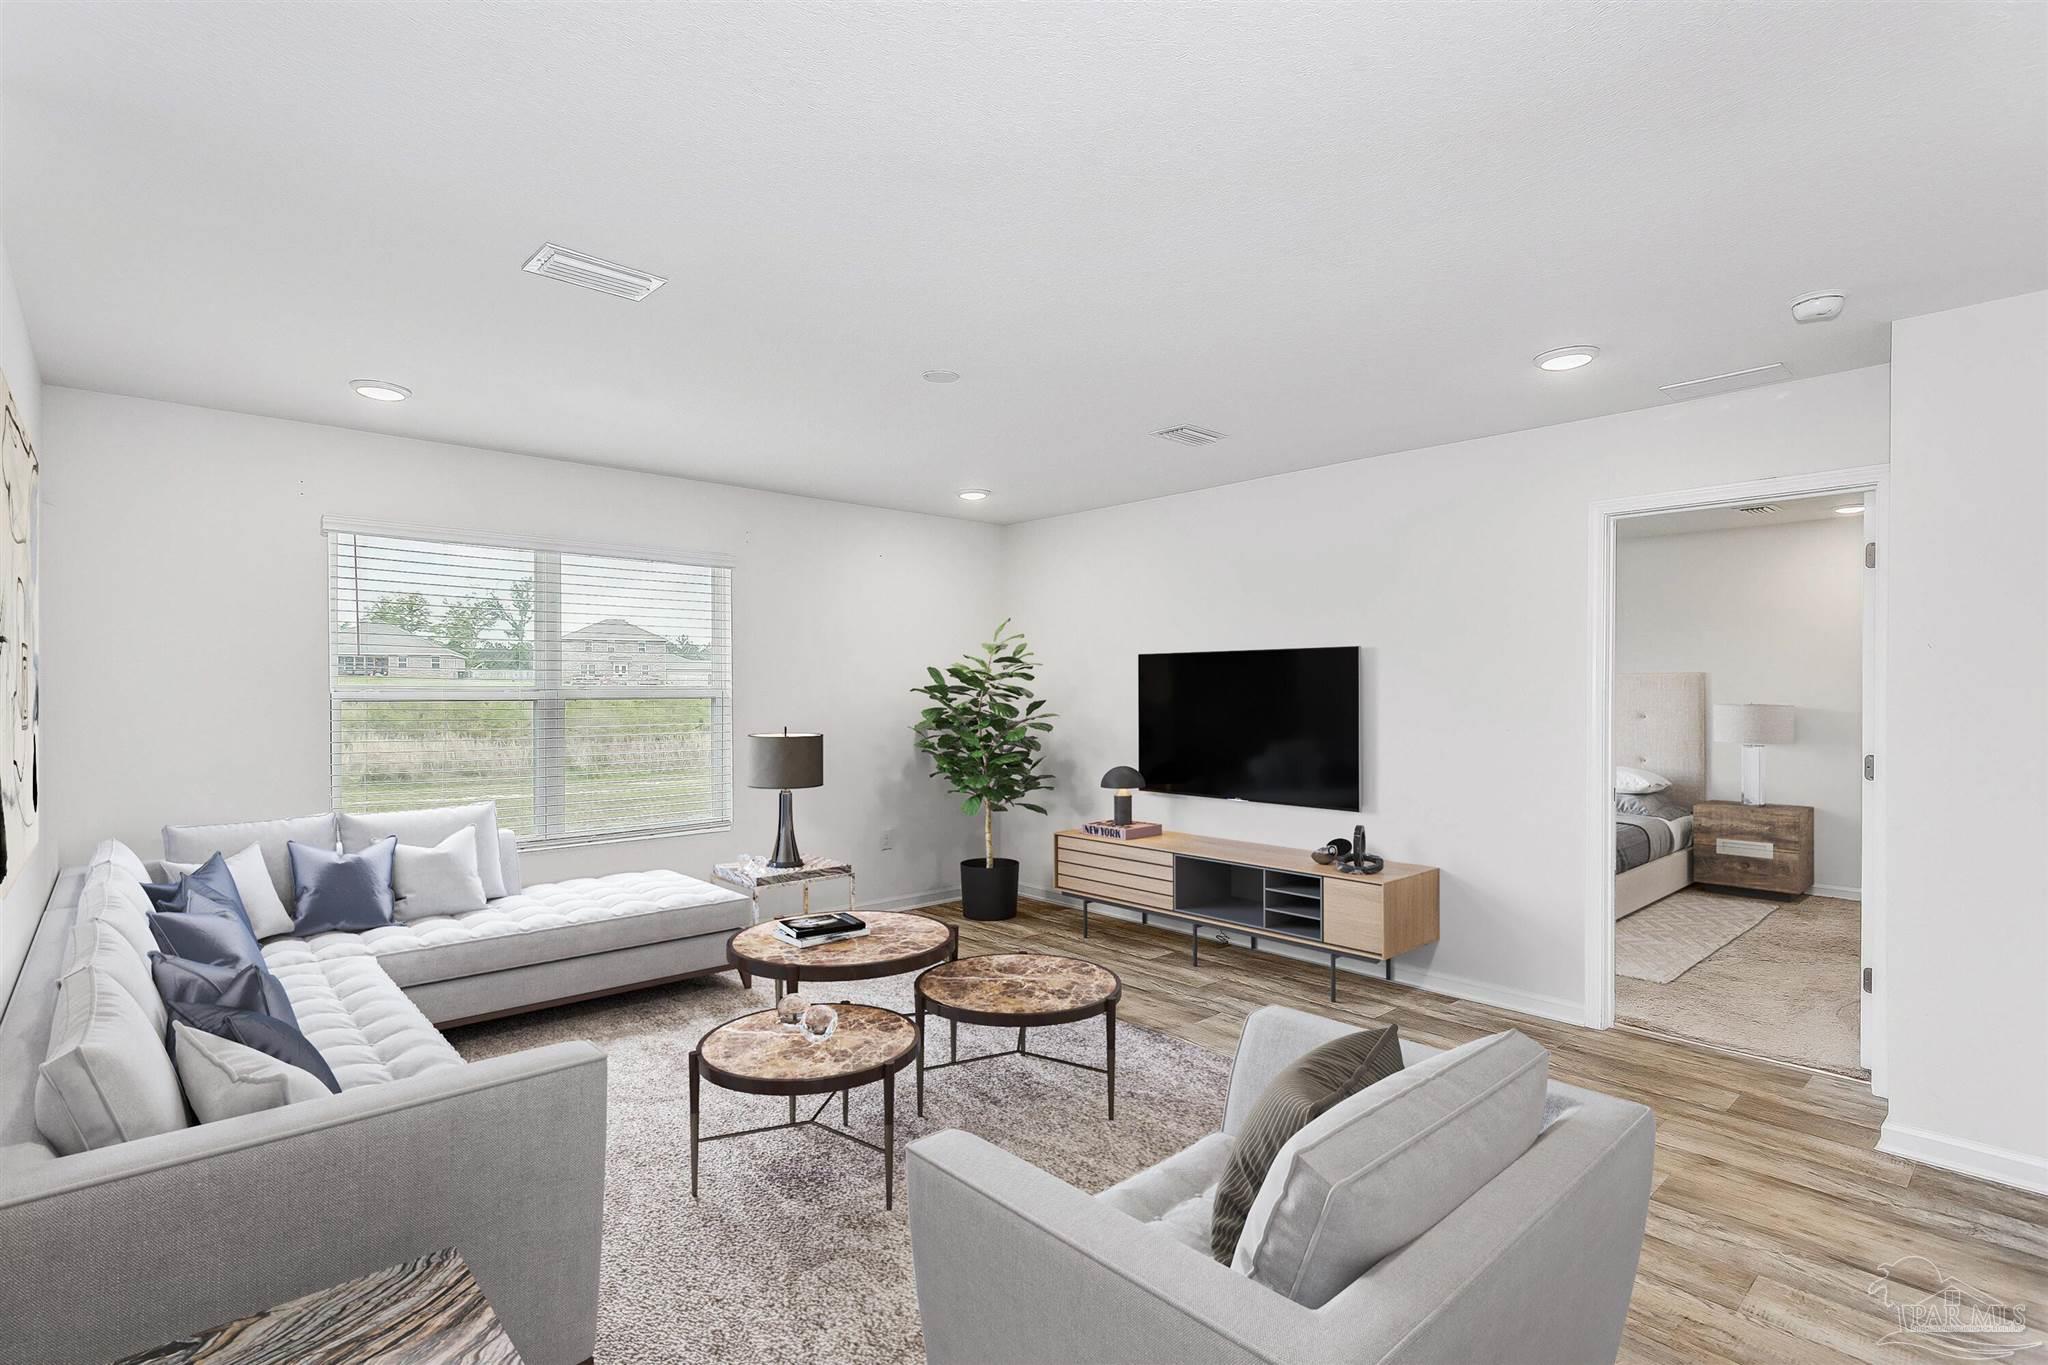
point(895, 942)
point(756, 1055)
point(1024, 990)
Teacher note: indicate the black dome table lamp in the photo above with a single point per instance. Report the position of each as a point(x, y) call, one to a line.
point(782, 762)
point(1123, 781)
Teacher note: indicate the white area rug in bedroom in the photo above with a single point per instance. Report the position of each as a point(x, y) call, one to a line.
point(1665, 940)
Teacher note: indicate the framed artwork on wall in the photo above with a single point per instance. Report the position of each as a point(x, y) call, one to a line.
point(20, 645)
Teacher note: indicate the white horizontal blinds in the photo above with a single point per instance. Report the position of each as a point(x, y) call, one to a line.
point(588, 695)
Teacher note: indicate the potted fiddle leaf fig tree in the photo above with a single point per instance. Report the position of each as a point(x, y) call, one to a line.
point(984, 733)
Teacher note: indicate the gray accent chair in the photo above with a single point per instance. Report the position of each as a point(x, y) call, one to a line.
point(1014, 1265)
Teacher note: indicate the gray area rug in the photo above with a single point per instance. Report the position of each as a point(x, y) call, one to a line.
point(788, 1254)
point(1665, 940)
point(1788, 989)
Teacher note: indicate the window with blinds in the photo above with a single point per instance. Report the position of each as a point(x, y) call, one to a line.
point(588, 694)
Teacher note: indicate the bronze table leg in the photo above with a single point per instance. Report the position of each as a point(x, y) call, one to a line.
point(920, 1056)
point(889, 1140)
point(693, 1124)
point(1109, 1023)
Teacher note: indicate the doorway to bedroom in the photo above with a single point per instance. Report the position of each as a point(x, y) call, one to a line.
point(1742, 648)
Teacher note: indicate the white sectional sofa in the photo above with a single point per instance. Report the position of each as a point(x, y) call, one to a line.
point(184, 1225)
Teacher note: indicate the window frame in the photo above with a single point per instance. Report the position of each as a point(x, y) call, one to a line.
point(553, 687)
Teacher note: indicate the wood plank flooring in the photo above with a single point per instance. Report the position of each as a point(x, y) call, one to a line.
point(1771, 1213)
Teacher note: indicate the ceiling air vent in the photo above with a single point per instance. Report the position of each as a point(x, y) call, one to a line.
point(1191, 436)
point(588, 272)
point(1726, 383)
point(1760, 509)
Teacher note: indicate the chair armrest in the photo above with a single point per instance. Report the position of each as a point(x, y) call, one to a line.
point(1015, 1265)
point(113, 1251)
point(1273, 1036)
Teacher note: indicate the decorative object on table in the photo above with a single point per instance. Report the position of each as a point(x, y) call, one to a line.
point(819, 1021)
point(782, 763)
point(790, 1010)
point(896, 941)
point(1020, 991)
point(20, 644)
point(811, 931)
point(1753, 725)
point(753, 874)
point(1349, 855)
point(1331, 852)
point(755, 1055)
point(430, 1311)
point(984, 734)
point(1136, 829)
point(1123, 780)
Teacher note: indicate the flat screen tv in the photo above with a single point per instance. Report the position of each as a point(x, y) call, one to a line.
point(1273, 725)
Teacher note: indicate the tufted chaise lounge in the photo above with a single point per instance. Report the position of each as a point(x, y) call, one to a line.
point(116, 1249)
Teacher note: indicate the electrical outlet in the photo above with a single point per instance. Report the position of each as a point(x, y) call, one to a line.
point(888, 840)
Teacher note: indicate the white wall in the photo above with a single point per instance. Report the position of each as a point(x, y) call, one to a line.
point(29, 886)
point(1967, 761)
point(185, 606)
point(1770, 614)
point(1463, 572)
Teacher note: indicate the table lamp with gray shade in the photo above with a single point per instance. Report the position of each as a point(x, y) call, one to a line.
point(783, 762)
point(1123, 781)
point(1753, 725)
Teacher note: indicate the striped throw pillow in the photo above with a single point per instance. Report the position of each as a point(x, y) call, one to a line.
point(1304, 1090)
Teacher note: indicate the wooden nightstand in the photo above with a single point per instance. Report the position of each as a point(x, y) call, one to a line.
point(1755, 848)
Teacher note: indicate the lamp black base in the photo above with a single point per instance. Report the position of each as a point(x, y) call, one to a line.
point(785, 836)
point(988, 891)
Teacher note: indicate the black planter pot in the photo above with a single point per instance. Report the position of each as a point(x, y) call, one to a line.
point(989, 892)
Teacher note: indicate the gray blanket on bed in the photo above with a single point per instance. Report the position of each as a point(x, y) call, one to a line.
point(1640, 839)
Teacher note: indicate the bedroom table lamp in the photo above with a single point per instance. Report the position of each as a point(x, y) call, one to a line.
point(1753, 725)
point(1123, 781)
point(783, 762)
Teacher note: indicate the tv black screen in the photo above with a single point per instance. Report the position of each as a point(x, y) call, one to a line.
point(1272, 725)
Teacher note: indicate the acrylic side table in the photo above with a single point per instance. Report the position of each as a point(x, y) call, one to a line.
point(753, 876)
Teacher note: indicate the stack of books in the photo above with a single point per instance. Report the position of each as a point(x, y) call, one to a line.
point(807, 931)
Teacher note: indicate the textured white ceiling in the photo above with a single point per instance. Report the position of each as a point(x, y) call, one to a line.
point(1329, 231)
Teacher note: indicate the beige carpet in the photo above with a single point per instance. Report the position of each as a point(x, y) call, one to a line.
point(795, 1218)
point(1788, 989)
point(1665, 940)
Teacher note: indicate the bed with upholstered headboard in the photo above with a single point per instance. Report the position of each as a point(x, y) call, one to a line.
point(1660, 727)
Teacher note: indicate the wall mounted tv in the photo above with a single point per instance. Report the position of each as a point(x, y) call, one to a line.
point(1273, 725)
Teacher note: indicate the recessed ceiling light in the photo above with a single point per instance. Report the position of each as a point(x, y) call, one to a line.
point(1822, 306)
point(1567, 357)
point(941, 376)
point(382, 390)
point(973, 494)
point(1854, 509)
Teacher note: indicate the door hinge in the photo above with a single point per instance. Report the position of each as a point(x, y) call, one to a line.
point(1869, 554)
point(1866, 980)
point(1870, 767)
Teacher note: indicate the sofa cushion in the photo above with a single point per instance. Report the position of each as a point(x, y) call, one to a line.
point(111, 894)
point(1303, 1090)
point(1176, 1198)
point(114, 956)
point(550, 922)
point(119, 855)
point(266, 1033)
point(208, 888)
point(442, 880)
point(106, 1078)
point(349, 892)
point(197, 843)
point(1385, 1166)
point(237, 985)
point(426, 828)
point(354, 1013)
point(261, 905)
point(224, 1079)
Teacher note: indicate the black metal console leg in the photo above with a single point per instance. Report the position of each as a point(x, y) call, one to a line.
point(1255, 943)
point(1333, 978)
point(1389, 965)
point(1195, 944)
point(1144, 917)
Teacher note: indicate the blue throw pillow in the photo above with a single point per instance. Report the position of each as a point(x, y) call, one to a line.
point(346, 892)
point(265, 1033)
point(221, 939)
point(241, 986)
point(206, 889)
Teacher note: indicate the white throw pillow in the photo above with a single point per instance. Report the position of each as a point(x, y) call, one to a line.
point(197, 843)
point(442, 880)
point(106, 1078)
point(224, 1079)
point(251, 876)
point(1380, 1169)
point(1637, 782)
point(426, 828)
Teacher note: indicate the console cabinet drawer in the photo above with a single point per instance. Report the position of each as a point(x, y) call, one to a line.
point(1131, 893)
point(1069, 844)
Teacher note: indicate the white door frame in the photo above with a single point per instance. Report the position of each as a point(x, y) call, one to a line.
point(1869, 480)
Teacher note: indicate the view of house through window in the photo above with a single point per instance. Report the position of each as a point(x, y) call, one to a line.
point(587, 695)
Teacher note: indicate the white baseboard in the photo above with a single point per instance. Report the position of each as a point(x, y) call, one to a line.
point(1421, 978)
point(2017, 1169)
point(915, 901)
point(1843, 893)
